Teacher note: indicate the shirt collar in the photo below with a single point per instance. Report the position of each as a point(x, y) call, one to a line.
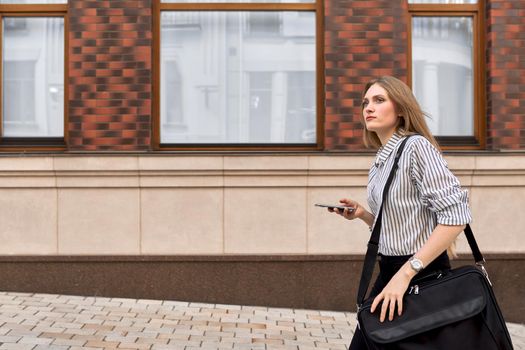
point(384, 151)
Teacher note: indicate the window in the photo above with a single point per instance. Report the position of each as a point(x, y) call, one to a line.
point(32, 73)
point(446, 72)
point(238, 75)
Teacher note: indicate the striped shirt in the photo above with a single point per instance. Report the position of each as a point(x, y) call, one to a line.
point(424, 193)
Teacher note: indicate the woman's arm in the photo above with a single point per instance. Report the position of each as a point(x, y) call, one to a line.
point(358, 213)
point(440, 239)
point(367, 217)
point(438, 242)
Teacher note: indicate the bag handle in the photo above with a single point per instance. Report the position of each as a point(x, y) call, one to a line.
point(373, 243)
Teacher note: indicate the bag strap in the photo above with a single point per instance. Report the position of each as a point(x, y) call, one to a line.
point(373, 243)
point(478, 257)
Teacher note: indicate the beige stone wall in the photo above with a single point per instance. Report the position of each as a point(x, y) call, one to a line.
point(238, 204)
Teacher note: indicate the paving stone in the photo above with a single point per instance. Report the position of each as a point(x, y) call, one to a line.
point(101, 344)
point(51, 347)
point(168, 347)
point(9, 339)
point(68, 342)
point(56, 335)
point(10, 346)
point(80, 331)
point(35, 340)
point(250, 346)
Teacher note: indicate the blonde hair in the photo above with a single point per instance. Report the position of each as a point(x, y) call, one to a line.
point(412, 117)
point(411, 121)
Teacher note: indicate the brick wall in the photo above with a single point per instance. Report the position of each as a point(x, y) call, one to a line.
point(110, 65)
point(506, 74)
point(110, 75)
point(363, 40)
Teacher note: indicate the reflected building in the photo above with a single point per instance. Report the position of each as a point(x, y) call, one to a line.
point(238, 77)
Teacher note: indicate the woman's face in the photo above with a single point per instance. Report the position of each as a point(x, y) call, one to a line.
point(379, 112)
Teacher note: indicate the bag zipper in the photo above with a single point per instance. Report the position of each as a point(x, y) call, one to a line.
point(432, 283)
point(414, 288)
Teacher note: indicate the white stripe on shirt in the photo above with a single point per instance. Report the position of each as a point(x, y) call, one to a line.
point(423, 193)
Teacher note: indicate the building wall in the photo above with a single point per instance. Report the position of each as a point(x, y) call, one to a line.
point(240, 227)
point(110, 75)
point(363, 40)
point(505, 74)
point(110, 67)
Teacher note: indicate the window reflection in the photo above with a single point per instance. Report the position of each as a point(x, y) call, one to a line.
point(33, 77)
point(442, 73)
point(33, 1)
point(244, 77)
point(442, 1)
point(238, 1)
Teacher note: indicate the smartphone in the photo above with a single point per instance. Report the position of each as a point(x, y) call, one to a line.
point(340, 207)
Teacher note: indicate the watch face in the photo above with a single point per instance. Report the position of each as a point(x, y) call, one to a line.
point(416, 264)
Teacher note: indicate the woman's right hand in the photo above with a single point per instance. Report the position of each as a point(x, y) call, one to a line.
point(357, 213)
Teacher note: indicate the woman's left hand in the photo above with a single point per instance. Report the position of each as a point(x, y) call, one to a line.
point(391, 295)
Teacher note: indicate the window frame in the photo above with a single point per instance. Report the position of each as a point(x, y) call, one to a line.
point(316, 7)
point(475, 11)
point(16, 144)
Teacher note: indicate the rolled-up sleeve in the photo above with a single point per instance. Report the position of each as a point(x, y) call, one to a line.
point(440, 191)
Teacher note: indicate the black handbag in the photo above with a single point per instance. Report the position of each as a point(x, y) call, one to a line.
point(454, 309)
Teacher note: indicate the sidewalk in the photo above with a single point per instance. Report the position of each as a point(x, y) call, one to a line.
point(59, 322)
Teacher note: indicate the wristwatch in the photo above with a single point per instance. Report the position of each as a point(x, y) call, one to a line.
point(416, 264)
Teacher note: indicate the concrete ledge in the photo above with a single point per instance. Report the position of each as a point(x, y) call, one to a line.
point(311, 170)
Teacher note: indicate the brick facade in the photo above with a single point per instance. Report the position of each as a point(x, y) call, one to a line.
point(110, 75)
point(110, 70)
point(363, 39)
point(506, 74)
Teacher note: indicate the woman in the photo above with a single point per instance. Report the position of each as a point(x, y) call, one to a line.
point(425, 209)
